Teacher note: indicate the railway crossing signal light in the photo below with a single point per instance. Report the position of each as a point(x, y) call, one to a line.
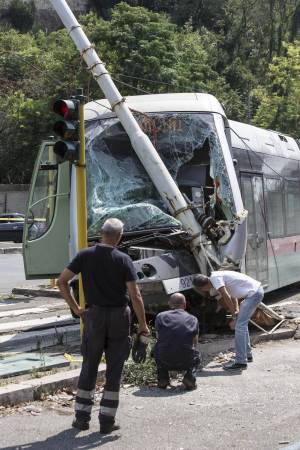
point(67, 147)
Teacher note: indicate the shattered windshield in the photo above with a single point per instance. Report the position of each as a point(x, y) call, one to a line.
point(119, 186)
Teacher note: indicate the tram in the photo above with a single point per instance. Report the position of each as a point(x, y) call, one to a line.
point(223, 168)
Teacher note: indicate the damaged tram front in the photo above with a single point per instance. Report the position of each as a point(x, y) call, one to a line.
point(190, 132)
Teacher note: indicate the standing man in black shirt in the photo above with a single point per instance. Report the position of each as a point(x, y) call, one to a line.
point(107, 274)
point(177, 338)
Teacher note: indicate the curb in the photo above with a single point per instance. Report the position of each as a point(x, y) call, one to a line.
point(36, 292)
point(31, 340)
point(11, 250)
point(30, 390)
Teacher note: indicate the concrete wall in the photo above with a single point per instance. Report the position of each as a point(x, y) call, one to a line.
point(46, 17)
point(75, 5)
point(13, 197)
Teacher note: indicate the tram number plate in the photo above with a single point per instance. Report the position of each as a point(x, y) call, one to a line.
point(178, 284)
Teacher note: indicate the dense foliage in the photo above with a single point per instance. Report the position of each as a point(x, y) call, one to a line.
point(245, 53)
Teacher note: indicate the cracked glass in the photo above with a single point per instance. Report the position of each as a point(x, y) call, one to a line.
point(118, 184)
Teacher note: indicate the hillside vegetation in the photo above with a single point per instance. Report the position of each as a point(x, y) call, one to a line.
point(245, 53)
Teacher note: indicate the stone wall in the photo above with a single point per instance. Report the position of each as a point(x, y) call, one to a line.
point(46, 16)
point(13, 197)
point(75, 5)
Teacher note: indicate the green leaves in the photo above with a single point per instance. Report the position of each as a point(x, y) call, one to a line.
point(231, 49)
point(279, 98)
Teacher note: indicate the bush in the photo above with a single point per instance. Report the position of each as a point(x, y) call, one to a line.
point(141, 374)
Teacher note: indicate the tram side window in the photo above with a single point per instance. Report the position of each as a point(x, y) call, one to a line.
point(274, 196)
point(292, 193)
point(42, 205)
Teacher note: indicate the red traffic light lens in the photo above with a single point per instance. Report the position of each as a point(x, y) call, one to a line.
point(63, 109)
point(66, 108)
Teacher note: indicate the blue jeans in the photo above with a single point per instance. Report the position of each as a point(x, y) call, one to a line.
point(242, 338)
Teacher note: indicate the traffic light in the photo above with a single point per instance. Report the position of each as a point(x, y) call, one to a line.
point(67, 148)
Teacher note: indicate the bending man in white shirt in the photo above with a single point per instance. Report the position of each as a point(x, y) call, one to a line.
point(234, 286)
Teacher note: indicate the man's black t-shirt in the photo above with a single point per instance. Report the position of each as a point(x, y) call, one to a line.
point(176, 330)
point(105, 271)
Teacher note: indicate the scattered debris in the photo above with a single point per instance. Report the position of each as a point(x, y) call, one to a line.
point(297, 334)
point(224, 357)
point(34, 410)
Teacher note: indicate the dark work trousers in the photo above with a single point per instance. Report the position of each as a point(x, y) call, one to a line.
point(163, 367)
point(105, 330)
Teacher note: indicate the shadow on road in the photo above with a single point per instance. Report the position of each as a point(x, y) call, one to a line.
point(145, 391)
point(218, 373)
point(68, 440)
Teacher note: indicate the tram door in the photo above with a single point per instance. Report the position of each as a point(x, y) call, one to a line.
point(256, 253)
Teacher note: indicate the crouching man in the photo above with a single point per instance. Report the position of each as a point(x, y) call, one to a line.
point(177, 337)
point(235, 286)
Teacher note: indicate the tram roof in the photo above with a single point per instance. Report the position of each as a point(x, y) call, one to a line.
point(249, 137)
point(243, 136)
point(180, 102)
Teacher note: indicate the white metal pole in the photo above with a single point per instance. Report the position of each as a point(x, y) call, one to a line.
point(142, 145)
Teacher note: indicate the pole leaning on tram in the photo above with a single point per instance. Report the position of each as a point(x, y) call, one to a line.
point(141, 143)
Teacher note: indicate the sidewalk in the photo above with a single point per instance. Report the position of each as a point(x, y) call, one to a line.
point(10, 247)
point(211, 346)
point(255, 409)
point(37, 291)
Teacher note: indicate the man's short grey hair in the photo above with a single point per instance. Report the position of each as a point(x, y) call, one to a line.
point(112, 227)
point(200, 281)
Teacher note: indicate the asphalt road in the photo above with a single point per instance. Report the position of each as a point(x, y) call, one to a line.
point(12, 273)
point(258, 409)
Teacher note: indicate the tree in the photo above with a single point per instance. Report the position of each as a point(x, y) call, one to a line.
point(21, 15)
point(32, 74)
point(279, 106)
point(146, 52)
point(21, 133)
point(144, 43)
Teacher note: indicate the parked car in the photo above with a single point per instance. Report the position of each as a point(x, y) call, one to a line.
point(11, 227)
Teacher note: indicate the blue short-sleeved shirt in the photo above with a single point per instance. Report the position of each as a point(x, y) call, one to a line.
point(176, 330)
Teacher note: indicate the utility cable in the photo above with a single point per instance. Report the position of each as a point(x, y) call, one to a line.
point(43, 71)
point(146, 79)
point(101, 104)
point(185, 88)
point(132, 87)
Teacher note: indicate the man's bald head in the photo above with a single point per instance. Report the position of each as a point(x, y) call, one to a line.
point(177, 301)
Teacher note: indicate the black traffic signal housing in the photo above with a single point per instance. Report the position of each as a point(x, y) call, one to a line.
point(67, 147)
